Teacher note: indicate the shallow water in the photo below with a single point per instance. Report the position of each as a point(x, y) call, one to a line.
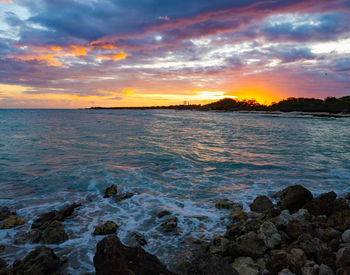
point(181, 161)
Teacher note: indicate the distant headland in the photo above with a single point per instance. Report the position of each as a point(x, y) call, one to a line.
point(330, 105)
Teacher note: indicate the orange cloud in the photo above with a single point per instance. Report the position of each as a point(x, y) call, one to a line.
point(114, 57)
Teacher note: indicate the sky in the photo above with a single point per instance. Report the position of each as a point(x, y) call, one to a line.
point(83, 53)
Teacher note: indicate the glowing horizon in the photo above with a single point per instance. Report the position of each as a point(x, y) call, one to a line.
point(53, 55)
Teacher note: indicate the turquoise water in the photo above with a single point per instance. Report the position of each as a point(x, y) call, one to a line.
point(181, 161)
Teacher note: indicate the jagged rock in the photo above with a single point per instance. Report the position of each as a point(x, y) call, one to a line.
point(325, 270)
point(296, 228)
point(309, 244)
point(219, 245)
point(139, 239)
point(328, 234)
point(246, 265)
point(322, 205)
point(112, 257)
point(269, 234)
point(346, 236)
point(41, 261)
point(261, 204)
point(286, 271)
point(283, 219)
point(278, 261)
point(327, 257)
point(110, 191)
point(11, 221)
point(210, 264)
point(294, 197)
point(109, 227)
point(343, 258)
point(224, 204)
point(6, 213)
point(46, 218)
point(310, 270)
point(125, 196)
point(249, 245)
point(54, 233)
point(163, 213)
point(170, 224)
point(301, 215)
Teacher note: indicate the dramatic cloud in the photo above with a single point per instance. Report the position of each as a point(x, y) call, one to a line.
point(140, 52)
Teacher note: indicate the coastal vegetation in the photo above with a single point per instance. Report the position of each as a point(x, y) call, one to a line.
point(330, 105)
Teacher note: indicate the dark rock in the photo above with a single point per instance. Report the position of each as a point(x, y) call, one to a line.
point(269, 234)
point(296, 228)
point(224, 204)
point(340, 220)
point(125, 196)
point(327, 234)
point(346, 236)
point(41, 261)
point(347, 196)
point(243, 227)
point(249, 245)
point(163, 213)
point(6, 213)
point(139, 239)
point(327, 257)
point(33, 236)
point(46, 218)
point(6, 271)
point(297, 260)
point(343, 258)
point(219, 245)
point(110, 191)
point(2, 247)
point(334, 245)
point(309, 244)
point(112, 257)
point(170, 224)
point(210, 264)
point(278, 261)
point(326, 204)
point(11, 221)
point(54, 233)
point(325, 270)
point(246, 265)
point(238, 214)
point(294, 197)
point(261, 204)
point(109, 227)
point(2, 263)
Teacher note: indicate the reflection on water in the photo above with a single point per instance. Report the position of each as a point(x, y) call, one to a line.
point(181, 161)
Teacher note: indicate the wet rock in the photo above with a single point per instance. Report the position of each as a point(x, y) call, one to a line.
point(125, 196)
point(250, 245)
point(294, 197)
point(32, 237)
point(346, 236)
point(170, 224)
point(224, 204)
point(138, 238)
point(54, 233)
point(325, 270)
point(210, 264)
point(269, 234)
point(286, 271)
point(327, 257)
point(2, 263)
point(278, 261)
point(238, 214)
point(323, 204)
point(41, 261)
point(246, 265)
point(109, 227)
point(219, 245)
point(112, 257)
point(11, 221)
point(46, 218)
point(6, 213)
point(309, 244)
point(261, 204)
point(163, 213)
point(110, 191)
point(343, 258)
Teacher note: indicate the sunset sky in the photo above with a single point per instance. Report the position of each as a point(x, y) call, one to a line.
point(82, 53)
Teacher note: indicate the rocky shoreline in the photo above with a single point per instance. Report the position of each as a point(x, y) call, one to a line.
point(298, 234)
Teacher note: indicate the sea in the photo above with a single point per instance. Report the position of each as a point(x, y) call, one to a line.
point(181, 161)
